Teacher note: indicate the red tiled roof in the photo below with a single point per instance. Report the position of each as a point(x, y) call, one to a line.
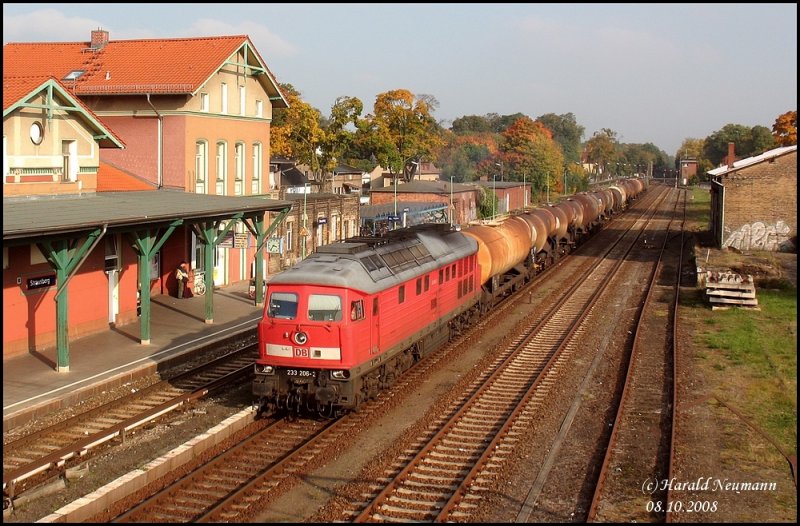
point(112, 179)
point(126, 66)
point(16, 88)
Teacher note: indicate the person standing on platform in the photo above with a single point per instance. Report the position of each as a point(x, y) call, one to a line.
point(182, 275)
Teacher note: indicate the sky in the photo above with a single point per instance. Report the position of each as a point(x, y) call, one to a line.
point(652, 73)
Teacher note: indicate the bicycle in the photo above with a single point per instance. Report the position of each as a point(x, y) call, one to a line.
point(199, 287)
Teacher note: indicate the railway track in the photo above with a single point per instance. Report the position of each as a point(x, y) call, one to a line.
point(248, 489)
point(33, 460)
point(443, 478)
point(229, 488)
point(639, 455)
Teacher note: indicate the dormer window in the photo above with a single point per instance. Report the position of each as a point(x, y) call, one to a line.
point(74, 74)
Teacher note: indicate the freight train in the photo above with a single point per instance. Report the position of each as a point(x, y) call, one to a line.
point(348, 320)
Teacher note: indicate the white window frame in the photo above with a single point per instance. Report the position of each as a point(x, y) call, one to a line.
point(200, 167)
point(257, 169)
point(238, 155)
point(224, 98)
point(259, 108)
point(222, 167)
point(289, 236)
point(242, 100)
point(204, 102)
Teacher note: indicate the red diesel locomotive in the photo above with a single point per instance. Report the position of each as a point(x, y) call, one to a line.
point(349, 319)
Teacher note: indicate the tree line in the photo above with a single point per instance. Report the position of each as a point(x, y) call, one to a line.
point(548, 152)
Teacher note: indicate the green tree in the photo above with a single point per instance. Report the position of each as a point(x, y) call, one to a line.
point(404, 131)
point(566, 132)
point(487, 202)
point(601, 149)
point(340, 130)
point(470, 124)
point(747, 142)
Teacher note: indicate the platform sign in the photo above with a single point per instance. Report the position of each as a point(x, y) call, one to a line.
point(394, 218)
point(241, 240)
point(39, 282)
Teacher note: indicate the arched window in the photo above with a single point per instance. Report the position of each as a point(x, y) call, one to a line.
point(222, 168)
point(200, 167)
point(257, 169)
point(239, 163)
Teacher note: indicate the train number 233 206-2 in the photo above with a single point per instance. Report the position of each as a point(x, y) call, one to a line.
point(300, 372)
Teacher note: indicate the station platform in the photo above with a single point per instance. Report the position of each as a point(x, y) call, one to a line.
point(102, 361)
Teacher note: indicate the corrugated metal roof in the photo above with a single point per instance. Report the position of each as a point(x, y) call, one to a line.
point(742, 163)
point(425, 187)
point(51, 215)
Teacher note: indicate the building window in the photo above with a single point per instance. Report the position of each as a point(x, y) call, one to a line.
point(401, 294)
point(289, 236)
point(204, 102)
point(334, 228)
point(257, 168)
point(242, 100)
point(239, 163)
point(37, 133)
point(200, 166)
point(74, 74)
point(224, 98)
point(222, 168)
point(259, 108)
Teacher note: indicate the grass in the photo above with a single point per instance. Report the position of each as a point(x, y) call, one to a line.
point(748, 357)
point(757, 355)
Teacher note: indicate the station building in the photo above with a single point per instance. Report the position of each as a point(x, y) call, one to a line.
point(754, 201)
point(120, 159)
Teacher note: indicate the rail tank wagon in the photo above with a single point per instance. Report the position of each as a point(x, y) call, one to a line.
point(348, 320)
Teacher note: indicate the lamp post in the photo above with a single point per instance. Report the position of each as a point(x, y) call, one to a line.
point(304, 233)
point(524, 192)
point(547, 188)
point(494, 187)
point(494, 197)
point(452, 210)
point(394, 223)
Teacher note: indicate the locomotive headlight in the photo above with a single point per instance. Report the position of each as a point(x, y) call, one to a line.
point(264, 369)
point(340, 375)
point(300, 338)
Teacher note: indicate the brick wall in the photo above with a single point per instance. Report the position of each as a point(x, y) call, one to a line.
point(760, 208)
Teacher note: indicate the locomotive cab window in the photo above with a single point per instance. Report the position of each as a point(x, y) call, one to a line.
point(324, 307)
point(282, 305)
point(357, 310)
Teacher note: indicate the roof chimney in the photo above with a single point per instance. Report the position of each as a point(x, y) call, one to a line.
point(731, 156)
point(99, 39)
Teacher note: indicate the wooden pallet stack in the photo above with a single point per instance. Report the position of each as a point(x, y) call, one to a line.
point(728, 289)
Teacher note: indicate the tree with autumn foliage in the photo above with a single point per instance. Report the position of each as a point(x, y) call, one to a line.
point(528, 152)
point(296, 132)
point(785, 128)
point(602, 150)
point(462, 154)
point(402, 131)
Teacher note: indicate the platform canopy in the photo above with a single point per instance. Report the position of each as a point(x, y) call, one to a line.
point(28, 219)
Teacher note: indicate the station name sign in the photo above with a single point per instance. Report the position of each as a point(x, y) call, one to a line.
point(40, 282)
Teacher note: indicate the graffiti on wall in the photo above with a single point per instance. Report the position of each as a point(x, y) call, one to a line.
point(760, 236)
